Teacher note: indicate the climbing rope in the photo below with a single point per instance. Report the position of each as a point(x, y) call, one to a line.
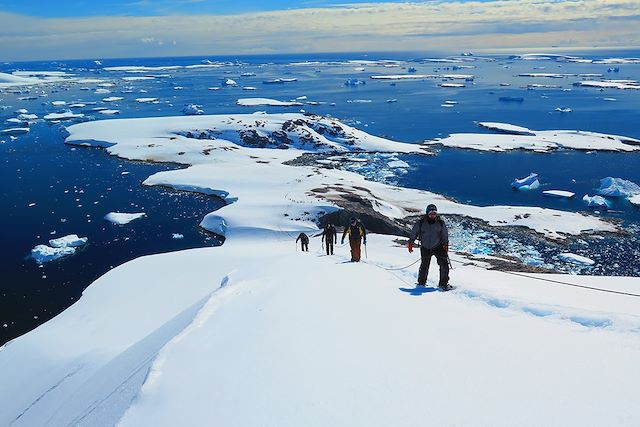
point(559, 282)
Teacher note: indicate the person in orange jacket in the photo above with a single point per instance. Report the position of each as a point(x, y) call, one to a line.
point(434, 241)
point(357, 233)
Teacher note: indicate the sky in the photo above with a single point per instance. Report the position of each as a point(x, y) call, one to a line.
point(87, 29)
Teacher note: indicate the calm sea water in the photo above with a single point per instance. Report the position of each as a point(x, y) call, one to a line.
point(73, 188)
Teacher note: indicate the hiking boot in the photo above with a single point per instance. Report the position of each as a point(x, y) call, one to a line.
point(445, 287)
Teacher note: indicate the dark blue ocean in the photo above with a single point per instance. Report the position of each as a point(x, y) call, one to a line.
point(50, 189)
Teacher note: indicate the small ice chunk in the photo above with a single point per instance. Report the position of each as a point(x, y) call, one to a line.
point(564, 109)
point(527, 183)
point(398, 164)
point(558, 193)
point(576, 259)
point(108, 112)
point(43, 253)
point(122, 218)
point(147, 100)
point(112, 99)
point(596, 201)
point(617, 187)
point(68, 241)
point(230, 82)
point(635, 200)
point(178, 236)
point(58, 103)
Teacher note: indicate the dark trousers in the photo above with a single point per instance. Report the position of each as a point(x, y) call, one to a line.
point(443, 262)
point(330, 248)
point(355, 250)
point(305, 246)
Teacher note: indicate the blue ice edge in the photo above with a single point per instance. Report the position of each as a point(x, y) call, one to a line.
point(586, 321)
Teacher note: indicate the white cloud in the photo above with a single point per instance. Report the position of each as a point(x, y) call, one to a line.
point(362, 27)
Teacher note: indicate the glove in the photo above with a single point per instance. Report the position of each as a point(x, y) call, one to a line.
point(410, 247)
point(446, 247)
point(364, 242)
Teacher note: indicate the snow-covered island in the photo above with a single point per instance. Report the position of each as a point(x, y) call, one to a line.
point(518, 137)
point(255, 333)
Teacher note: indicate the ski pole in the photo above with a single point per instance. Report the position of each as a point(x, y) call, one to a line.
point(365, 251)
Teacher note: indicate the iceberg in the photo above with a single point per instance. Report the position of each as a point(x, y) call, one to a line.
point(596, 201)
point(575, 259)
point(527, 183)
point(63, 116)
point(253, 102)
point(193, 110)
point(122, 218)
point(43, 253)
point(558, 193)
point(617, 187)
point(69, 241)
point(14, 131)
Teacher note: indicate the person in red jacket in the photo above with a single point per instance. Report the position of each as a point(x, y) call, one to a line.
point(434, 241)
point(357, 234)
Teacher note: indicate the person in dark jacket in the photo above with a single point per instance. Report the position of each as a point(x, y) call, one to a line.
point(434, 241)
point(357, 234)
point(329, 236)
point(304, 242)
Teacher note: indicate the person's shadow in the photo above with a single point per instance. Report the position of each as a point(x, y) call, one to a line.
point(418, 290)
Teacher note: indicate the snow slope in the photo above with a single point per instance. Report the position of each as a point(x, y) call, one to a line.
point(255, 333)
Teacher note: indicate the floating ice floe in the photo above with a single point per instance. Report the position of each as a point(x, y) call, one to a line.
point(193, 109)
point(138, 78)
point(108, 112)
point(68, 241)
point(230, 82)
point(147, 100)
point(59, 248)
point(575, 259)
point(102, 91)
point(635, 200)
point(249, 88)
point(527, 183)
point(535, 140)
point(398, 164)
point(564, 109)
point(58, 103)
point(122, 218)
point(452, 85)
point(63, 116)
point(14, 131)
point(253, 102)
point(43, 253)
point(596, 201)
point(113, 99)
point(77, 105)
point(609, 84)
point(558, 193)
point(177, 236)
point(617, 187)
